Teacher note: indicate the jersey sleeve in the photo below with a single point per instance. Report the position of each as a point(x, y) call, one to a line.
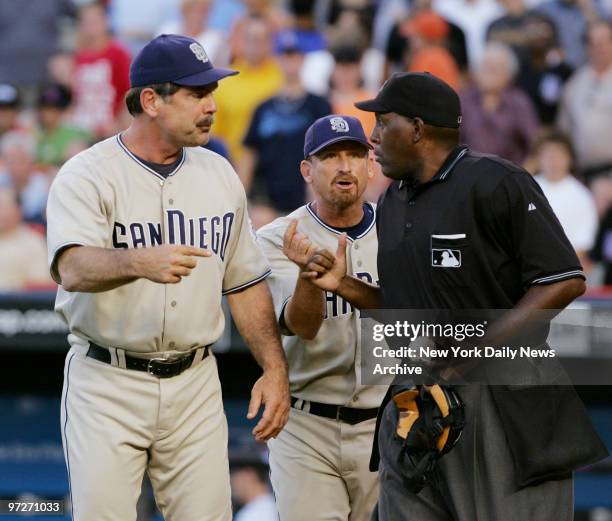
point(76, 215)
point(245, 263)
point(284, 273)
point(523, 217)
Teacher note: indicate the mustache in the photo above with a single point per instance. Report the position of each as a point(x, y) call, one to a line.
point(207, 122)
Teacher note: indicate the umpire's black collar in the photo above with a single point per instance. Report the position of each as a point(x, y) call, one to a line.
point(447, 167)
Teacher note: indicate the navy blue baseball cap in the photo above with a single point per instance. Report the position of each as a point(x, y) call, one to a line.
point(331, 129)
point(176, 59)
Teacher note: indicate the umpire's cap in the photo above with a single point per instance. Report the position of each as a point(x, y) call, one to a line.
point(417, 94)
point(330, 129)
point(176, 59)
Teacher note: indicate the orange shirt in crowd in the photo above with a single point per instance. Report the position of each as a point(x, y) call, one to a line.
point(344, 105)
point(439, 62)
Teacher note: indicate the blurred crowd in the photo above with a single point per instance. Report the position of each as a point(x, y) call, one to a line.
point(534, 77)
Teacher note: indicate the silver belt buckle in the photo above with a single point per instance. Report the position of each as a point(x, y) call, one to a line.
point(161, 361)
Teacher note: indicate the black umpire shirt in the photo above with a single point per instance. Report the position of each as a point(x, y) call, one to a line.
point(476, 236)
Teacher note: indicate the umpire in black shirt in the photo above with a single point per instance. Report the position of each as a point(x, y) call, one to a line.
point(463, 230)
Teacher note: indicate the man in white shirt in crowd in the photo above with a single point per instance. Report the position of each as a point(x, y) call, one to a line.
point(571, 201)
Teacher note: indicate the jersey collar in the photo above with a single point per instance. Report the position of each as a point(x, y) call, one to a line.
point(146, 167)
point(338, 232)
point(447, 167)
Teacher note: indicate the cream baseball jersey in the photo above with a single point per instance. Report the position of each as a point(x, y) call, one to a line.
point(327, 368)
point(106, 197)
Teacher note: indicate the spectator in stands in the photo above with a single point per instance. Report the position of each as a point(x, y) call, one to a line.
point(586, 106)
point(274, 142)
point(350, 24)
point(9, 108)
point(17, 155)
point(347, 86)
point(601, 188)
point(498, 118)
point(346, 90)
point(571, 18)
point(309, 37)
point(318, 62)
point(57, 140)
point(544, 70)
point(249, 482)
point(193, 22)
point(533, 37)
point(571, 201)
point(61, 69)
point(518, 26)
point(398, 43)
point(276, 19)
point(260, 77)
point(29, 35)
point(23, 261)
point(472, 17)
point(388, 14)
point(134, 22)
point(427, 33)
point(602, 251)
point(225, 13)
point(349, 21)
point(101, 75)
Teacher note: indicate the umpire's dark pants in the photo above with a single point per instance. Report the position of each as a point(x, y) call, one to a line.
point(473, 482)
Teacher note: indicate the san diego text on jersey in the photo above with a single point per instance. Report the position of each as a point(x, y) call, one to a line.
point(210, 232)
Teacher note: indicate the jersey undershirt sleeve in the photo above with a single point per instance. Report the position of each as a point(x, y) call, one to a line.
point(522, 215)
point(76, 215)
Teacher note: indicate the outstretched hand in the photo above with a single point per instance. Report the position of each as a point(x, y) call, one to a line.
point(297, 246)
point(325, 270)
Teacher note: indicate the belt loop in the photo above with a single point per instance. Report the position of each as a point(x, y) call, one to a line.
point(199, 355)
point(113, 355)
point(121, 358)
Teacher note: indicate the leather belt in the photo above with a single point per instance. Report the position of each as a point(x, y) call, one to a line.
point(336, 412)
point(160, 367)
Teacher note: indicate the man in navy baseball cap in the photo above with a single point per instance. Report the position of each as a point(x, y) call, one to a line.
point(331, 129)
point(171, 68)
point(176, 59)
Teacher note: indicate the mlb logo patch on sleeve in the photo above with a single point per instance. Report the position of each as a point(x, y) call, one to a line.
point(445, 258)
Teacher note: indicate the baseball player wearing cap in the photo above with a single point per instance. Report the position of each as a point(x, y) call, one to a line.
point(319, 463)
point(146, 232)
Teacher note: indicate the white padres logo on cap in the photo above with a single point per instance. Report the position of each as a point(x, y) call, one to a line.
point(339, 124)
point(199, 52)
